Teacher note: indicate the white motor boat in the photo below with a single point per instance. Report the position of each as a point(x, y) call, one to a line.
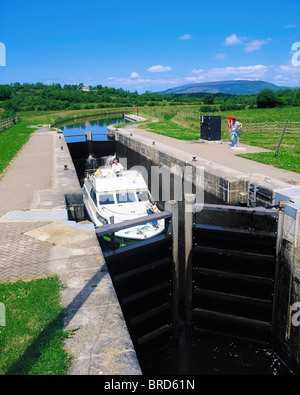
point(112, 198)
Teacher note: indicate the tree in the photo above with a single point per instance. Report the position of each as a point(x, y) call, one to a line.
point(266, 99)
point(208, 99)
point(5, 92)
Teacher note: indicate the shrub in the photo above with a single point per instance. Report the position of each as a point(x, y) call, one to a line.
point(266, 99)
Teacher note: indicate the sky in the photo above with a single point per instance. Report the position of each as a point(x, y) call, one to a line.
point(148, 45)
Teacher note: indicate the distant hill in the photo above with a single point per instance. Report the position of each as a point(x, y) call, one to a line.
point(239, 87)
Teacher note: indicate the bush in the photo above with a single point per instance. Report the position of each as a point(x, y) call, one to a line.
point(209, 109)
point(7, 114)
point(232, 107)
point(266, 99)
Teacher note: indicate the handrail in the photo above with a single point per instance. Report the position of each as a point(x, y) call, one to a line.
point(79, 135)
point(113, 228)
point(237, 209)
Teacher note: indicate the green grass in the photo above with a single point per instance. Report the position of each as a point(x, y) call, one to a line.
point(171, 129)
point(183, 122)
point(11, 141)
point(31, 342)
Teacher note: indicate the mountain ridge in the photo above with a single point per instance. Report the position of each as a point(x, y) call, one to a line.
point(233, 87)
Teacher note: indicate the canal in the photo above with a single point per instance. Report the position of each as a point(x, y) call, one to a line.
point(195, 353)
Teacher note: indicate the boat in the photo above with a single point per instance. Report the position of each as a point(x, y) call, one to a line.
point(111, 198)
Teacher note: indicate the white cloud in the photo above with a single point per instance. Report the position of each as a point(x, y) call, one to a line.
point(289, 68)
point(234, 40)
point(185, 37)
point(119, 81)
point(197, 71)
point(290, 26)
point(254, 45)
point(158, 69)
point(134, 75)
point(217, 74)
point(220, 55)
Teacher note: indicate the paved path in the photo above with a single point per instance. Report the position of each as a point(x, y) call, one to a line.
point(32, 171)
point(36, 240)
point(222, 154)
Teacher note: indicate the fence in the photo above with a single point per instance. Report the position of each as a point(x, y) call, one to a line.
point(292, 127)
point(6, 123)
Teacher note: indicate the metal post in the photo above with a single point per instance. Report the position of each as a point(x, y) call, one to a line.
point(172, 207)
point(281, 137)
point(189, 201)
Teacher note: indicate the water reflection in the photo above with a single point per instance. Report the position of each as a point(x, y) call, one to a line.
point(76, 132)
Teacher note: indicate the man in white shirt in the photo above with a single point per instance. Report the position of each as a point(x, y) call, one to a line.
point(117, 167)
point(235, 132)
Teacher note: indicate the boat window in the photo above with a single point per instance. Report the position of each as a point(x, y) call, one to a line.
point(106, 199)
point(93, 196)
point(142, 196)
point(125, 197)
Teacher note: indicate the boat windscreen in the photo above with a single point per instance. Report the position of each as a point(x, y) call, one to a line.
point(106, 199)
point(142, 196)
point(125, 197)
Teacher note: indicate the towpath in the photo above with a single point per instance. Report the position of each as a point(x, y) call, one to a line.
point(37, 240)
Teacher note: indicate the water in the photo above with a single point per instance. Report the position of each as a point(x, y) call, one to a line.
point(197, 354)
point(76, 132)
point(93, 163)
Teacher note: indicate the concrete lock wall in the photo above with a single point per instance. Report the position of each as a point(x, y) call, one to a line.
point(287, 330)
point(221, 184)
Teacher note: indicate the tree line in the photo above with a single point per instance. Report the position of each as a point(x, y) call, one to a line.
point(41, 97)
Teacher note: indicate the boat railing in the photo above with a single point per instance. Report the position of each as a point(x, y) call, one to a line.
point(108, 172)
point(113, 228)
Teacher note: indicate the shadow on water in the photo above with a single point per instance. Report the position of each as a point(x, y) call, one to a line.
point(200, 354)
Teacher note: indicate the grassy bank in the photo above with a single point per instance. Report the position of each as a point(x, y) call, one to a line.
point(31, 342)
point(183, 122)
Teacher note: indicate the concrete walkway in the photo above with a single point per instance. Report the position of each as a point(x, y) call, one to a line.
point(37, 239)
point(222, 154)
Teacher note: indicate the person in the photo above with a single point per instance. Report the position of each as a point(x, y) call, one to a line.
point(150, 207)
point(117, 167)
point(98, 173)
point(235, 128)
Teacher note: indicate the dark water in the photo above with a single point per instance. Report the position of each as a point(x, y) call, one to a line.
point(195, 353)
point(198, 354)
point(98, 127)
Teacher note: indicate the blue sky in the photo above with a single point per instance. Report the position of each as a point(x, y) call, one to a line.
point(149, 45)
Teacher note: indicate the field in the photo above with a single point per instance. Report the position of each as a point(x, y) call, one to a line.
point(183, 122)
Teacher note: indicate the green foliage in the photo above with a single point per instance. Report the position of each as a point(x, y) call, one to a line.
point(208, 109)
point(266, 99)
point(5, 92)
point(41, 97)
point(7, 114)
point(208, 98)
